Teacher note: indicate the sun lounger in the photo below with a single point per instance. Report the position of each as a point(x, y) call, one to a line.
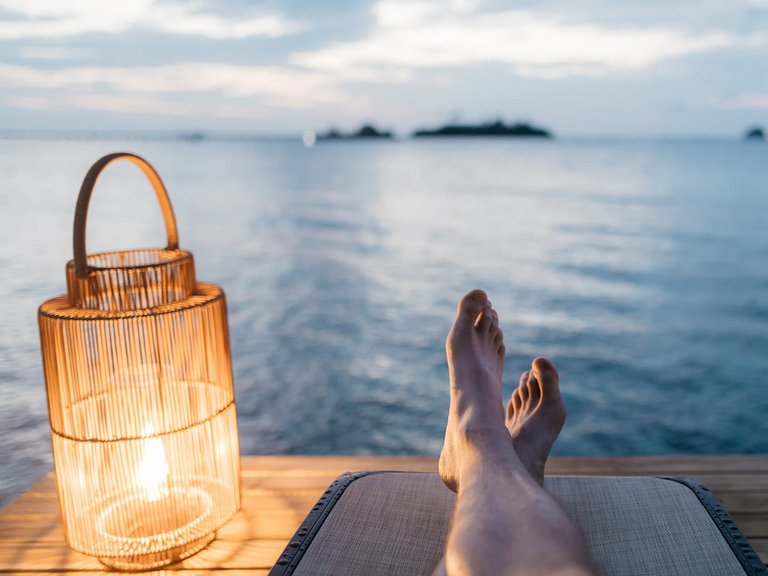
point(376, 523)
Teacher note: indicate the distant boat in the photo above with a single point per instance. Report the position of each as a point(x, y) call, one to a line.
point(755, 133)
point(497, 128)
point(366, 132)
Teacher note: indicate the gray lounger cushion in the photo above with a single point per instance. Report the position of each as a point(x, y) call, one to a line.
point(377, 523)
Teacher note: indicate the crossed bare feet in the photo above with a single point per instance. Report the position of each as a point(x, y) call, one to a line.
point(476, 426)
point(503, 522)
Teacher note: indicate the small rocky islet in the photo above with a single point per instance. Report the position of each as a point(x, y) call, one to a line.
point(755, 134)
point(367, 131)
point(497, 128)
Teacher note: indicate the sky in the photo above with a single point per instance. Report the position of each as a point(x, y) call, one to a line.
point(655, 68)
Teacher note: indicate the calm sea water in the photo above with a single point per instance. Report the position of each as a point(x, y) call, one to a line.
point(640, 268)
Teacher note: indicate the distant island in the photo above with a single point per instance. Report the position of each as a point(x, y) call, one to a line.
point(497, 128)
point(755, 133)
point(367, 131)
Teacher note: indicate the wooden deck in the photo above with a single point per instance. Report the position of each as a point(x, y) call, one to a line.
point(278, 491)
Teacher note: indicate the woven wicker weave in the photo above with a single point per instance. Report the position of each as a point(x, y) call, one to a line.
point(138, 373)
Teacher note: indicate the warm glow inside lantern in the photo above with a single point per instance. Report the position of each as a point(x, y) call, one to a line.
point(139, 379)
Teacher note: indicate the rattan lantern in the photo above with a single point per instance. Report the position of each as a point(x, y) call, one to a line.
point(138, 373)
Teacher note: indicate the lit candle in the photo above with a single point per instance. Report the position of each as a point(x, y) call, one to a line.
point(152, 473)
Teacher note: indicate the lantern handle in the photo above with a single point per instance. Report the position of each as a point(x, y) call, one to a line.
point(81, 210)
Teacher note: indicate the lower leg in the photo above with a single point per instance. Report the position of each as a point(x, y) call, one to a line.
point(505, 523)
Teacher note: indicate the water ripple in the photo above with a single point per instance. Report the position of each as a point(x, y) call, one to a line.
point(640, 268)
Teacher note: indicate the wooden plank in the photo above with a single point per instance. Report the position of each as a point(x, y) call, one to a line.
point(29, 529)
point(166, 572)
point(220, 554)
point(266, 485)
point(734, 482)
point(255, 464)
point(42, 512)
point(752, 525)
point(261, 465)
point(721, 483)
point(237, 555)
point(744, 501)
point(245, 525)
point(51, 557)
point(24, 506)
point(262, 516)
point(655, 465)
point(279, 524)
point(761, 547)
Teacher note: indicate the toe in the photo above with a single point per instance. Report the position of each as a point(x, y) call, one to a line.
point(547, 376)
point(534, 389)
point(524, 379)
point(486, 318)
point(471, 304)
point(513, 407)
point(510, 411)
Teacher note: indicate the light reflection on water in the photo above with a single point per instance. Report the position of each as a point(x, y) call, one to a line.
point(638, 267)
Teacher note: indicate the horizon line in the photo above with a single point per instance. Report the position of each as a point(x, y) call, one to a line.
point(194, 135)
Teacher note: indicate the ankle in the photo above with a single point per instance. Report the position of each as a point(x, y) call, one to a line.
point(483, 446)
point(476, 432)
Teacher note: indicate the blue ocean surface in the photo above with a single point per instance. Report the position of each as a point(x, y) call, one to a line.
point(639, 267)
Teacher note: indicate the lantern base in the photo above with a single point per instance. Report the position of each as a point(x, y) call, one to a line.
point(147, 533)
point(158, 559)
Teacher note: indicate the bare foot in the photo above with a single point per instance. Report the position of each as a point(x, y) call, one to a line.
point(475, 351)
point(535, 416)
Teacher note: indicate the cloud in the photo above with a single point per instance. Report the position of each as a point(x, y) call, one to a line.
point(52, 53)
point(406, 37)
point(411, 34)
point(135, 104)
point(283, 87)
point(747, 101)
point(105, 103)
point(56, 19)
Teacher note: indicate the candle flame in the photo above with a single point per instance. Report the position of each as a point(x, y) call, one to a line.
point(152, 473)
